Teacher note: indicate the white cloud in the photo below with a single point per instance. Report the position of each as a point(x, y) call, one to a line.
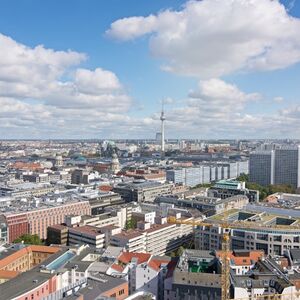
point(97, 81)
point(135, 27)
point(278, 99)
point(22, 64)
point(45, 92)
point(217, 109)
point(212, 38)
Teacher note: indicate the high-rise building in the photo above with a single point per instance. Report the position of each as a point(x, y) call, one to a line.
point(287, 166)
point(261, 167)
point(280, 166)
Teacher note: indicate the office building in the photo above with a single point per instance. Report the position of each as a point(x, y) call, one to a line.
point(206, 173)
point(207, 205)
point(35, 220)
point(141, 190)
point(279, 166)
point(228, 188)
point(272, 233)
point(261, 167)
point(287, 166)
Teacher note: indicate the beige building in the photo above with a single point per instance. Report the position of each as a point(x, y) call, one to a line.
point(156, 239)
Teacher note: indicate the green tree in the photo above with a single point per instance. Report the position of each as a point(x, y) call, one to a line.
point(130, 224)
point(179, 251)
point(265, 191)
point(243, 177)
point(202, 185)
point(29, 239)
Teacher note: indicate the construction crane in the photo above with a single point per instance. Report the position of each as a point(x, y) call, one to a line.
point(225, 270)
point(225, 256)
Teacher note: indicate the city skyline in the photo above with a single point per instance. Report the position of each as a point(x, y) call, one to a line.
point(101, 69)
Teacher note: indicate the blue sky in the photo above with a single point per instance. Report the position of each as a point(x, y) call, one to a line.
point(255, 95)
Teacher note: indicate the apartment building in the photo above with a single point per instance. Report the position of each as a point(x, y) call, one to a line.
point(156, 239)
point(65, 275)
point(143, 271)
point(196, 276)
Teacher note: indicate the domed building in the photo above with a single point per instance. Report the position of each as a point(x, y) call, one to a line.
point(115, 164)
point(58, 161)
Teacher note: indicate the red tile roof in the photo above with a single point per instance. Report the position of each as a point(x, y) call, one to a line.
point(116, 267)
point(126, 257)
point(155, 264)
point(4, 274)
point(245, 260)
point(19, 253)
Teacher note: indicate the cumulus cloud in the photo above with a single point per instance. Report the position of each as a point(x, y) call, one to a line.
point(218, 109)
point(97, 81)
point(212, 38)
point(22, 64)
point(44, 91)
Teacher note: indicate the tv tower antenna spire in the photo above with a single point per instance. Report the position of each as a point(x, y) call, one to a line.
point(162, 118)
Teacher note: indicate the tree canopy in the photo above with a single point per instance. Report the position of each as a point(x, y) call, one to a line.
point(265, 191)
point(31, 239)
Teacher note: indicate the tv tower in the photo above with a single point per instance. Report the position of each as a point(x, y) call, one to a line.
point(162, 118)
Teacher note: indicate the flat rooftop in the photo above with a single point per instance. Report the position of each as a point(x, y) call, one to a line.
point(254, 219)
point(99, 284)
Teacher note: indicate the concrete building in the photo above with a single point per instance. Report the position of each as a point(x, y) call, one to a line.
point(207, 205)
point(228, 188)
point(262, 167)
point(266, 279)
point(26, 189)
point(100, 200)
point(274, 234)
point(157, 239)
point(80, 176)
point(57, 234)
point(88, 235)
point(141, 190)
point(287, 166)
point(35, 220)
point(196, 276)
point(206, 172)
point(279, 166)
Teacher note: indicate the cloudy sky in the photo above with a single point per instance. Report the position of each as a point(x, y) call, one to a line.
point(100, 69)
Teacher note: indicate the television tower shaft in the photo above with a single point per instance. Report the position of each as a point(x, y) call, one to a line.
point(162, 118)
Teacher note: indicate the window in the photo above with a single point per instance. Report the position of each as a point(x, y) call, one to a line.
point(121, 292)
